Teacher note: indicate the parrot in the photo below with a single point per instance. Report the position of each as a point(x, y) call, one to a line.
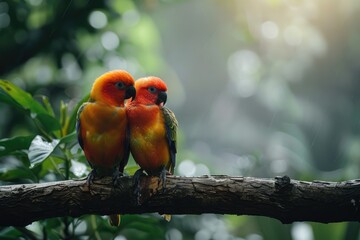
point(102, 126)
point(153, 130)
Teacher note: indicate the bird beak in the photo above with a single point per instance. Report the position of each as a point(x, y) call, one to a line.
point(130, 92)
point(162, 97)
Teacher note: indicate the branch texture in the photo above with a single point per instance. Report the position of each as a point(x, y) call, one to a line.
point(281, 198)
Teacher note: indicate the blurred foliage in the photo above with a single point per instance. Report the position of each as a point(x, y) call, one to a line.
point(260, 88)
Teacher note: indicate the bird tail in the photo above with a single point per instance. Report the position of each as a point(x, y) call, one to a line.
point(114, 220)
point(167, 217)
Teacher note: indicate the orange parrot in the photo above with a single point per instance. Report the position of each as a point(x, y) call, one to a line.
point(152, 130)
point(102, 126)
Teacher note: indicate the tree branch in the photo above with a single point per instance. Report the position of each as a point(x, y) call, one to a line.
point(281, 198)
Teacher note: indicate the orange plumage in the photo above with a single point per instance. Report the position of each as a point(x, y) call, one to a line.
point(102, 126)
point(152, 131)
point(152, 127)
point(102, 122)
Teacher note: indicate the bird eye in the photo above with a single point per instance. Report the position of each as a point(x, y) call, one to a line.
point(152, 89)
point(119, 85)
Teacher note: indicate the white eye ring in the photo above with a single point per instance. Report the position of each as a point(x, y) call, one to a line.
point(152, 89)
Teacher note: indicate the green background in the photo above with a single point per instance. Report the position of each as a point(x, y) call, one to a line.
point(260, 88)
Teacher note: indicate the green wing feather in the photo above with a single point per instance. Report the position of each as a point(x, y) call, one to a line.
point(78, 125)
point(171, 131)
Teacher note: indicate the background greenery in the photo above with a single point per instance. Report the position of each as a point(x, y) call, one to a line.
point(260, 88)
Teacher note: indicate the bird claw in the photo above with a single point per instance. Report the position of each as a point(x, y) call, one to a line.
point(137, 186)
point(162, 179)
point(115, 179)
point(91, 177)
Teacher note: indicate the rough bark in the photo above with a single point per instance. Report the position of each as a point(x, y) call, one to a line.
point(281, 198)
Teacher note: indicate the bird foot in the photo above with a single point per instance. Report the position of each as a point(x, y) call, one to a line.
point(137, 184)
point(91, 177)
point(89, 180)
point(116, 177)
point(162, 179)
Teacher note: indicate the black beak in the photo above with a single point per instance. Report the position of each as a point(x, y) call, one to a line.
point(130, 92)
point(162, 97)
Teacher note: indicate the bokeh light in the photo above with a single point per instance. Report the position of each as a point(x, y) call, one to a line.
point(244, 69)
point(302, 231)
point(269, 30)
point(97, 19)
point(260, 88)
point(110, 40)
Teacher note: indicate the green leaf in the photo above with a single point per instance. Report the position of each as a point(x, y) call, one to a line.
point(10, 145)
point(48, 122)
point(15, 174)
point(64, 119)
point(10, 233)
point(17, 97)
point(7, 99)
point(20, 97)
point(70, 140)
point(52, 164)
point(46, 102)
point(40, 150)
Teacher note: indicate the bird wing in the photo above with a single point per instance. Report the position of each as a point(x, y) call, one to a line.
point(171, 130)
point(78, 125)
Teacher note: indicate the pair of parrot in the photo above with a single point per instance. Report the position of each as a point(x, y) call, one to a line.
point(108, 129)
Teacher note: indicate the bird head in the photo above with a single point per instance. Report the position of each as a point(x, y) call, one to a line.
point(113, 88)
point(151, 90)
